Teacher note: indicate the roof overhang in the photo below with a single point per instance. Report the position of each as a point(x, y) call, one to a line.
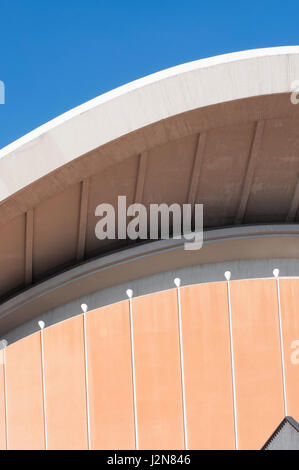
point(141, 103)
point(219, 131)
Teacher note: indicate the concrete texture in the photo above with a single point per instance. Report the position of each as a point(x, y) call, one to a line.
point(176, 90)
point(158, 380)
point(199, 133)
point(162, 281)
point(286, 436)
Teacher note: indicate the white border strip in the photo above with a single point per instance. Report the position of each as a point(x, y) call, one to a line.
point(5, 397)
point(44, 389)
point(177, 282)
point(276, 275)
point(84, 308)
point(130, 294)
point(227, 276)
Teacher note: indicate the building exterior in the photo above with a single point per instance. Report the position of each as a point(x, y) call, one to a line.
point(155, 368)
point(285, 437)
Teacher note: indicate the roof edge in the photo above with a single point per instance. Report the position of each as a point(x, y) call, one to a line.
point(148, 79)
point(164, 94)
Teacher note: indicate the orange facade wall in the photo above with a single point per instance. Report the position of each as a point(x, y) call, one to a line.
point(208, 379)
point(2, 403)
point(258, 370)
point(158, 381)
point(24, 394)
point(110, 378)
point(157, 362)
point(289, 299)
point(65, 385)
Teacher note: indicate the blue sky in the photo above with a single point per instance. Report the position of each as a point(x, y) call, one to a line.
point(57, 54)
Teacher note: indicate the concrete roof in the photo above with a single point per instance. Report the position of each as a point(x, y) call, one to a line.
point(219, 131)
point(143, 102)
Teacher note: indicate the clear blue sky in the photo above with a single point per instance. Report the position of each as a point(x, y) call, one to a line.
point(57, 54)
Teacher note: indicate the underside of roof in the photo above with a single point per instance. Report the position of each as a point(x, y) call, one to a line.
point(222, 132)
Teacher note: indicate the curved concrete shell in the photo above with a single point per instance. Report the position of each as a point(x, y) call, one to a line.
point(164, 369)
point(220, 131)
point(208, 399)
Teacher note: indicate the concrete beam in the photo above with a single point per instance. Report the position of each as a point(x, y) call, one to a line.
point(29, 247)
point(83, 219)
point(197, 165)
point(249, 175)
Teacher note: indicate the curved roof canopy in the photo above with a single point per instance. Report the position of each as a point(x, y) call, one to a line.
point(219, 131)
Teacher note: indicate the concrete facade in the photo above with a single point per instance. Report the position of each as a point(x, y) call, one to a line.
point(247, 420)
point(159, 369)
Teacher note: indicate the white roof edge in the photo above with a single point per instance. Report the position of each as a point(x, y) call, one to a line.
point(154, 77)
point(61, 152)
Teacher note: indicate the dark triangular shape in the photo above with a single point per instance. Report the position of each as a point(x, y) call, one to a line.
point(285, 436)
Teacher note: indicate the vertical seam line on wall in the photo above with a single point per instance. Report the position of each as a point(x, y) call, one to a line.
point(232, 367)
point(86, 382)
point(182, 369)
point(133, 376)
point(29, 230)
point(294, 203)
point(5, 398)
point(83, 216)
point(250, 171)
point(44, 389)
point(281, 350)
point(140, 178)
point(198, 161)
